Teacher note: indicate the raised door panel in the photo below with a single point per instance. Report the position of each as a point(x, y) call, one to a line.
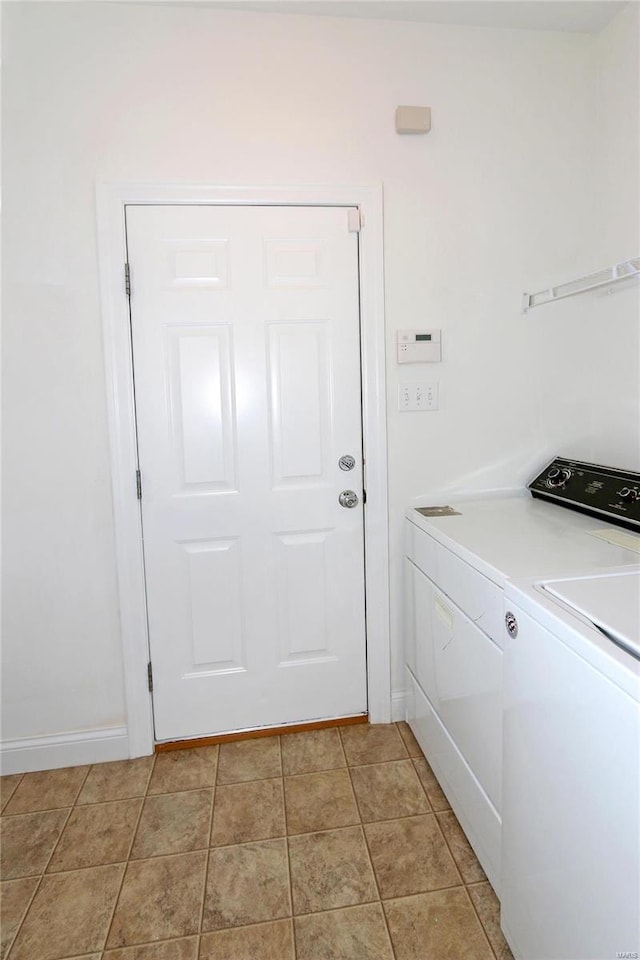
point(215, 607)
point(201, 403)
point(303, 597)
point(198, 263)
point(300, 407)
point(294, 263)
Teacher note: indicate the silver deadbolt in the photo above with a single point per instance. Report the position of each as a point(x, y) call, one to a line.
point(511, 624)
point(348, 498)
point(347, 462)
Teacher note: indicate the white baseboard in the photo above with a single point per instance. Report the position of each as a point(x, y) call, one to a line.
point(64, 750)
point(398, 699)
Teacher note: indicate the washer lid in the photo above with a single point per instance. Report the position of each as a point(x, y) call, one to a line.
point(611, 602)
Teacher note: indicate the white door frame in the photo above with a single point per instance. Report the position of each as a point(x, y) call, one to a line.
point(111, 201)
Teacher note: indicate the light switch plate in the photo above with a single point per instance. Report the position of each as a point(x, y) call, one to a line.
point(417, 396)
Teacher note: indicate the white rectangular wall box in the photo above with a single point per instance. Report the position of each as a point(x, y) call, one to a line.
point(419, 346)
point(413, 119)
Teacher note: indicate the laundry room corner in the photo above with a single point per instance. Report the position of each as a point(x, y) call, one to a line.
point(497, 198)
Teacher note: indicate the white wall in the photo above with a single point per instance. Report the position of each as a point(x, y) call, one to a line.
point(616, 130)
point(495, 200)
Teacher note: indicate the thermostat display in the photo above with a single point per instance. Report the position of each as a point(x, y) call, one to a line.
point(419, 346)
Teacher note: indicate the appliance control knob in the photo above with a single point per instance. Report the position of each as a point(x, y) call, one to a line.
point(627, 495)
point(558, 477)
point(511, 624)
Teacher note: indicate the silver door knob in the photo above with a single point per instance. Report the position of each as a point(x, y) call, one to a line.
point(348, 498)
point(511, 624)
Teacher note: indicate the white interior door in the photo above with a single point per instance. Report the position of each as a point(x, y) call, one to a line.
point(245, 324)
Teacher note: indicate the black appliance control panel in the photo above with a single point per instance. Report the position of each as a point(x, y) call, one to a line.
point(590, 488)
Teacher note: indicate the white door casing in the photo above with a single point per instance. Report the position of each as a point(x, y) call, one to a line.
point(112, 200)
point(246, 356)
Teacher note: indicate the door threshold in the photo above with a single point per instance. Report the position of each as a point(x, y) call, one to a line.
point(260, 732)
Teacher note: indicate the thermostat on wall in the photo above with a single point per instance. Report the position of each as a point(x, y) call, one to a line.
point(419, 346)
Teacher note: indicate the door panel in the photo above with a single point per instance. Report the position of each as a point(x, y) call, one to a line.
point(300, 401)
point(201, 407)
point(245, 326)
point(302, 596)
point(216, 597)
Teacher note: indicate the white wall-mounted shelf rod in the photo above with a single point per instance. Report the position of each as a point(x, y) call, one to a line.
point(603, 278)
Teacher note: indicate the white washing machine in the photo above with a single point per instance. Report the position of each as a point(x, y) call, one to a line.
point(570, 886)
point(460, 556)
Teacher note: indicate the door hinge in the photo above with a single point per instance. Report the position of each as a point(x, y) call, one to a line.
point(364, 496)
point(127, 280)
point(150, 676)
point(138, 485)
point(356, 220)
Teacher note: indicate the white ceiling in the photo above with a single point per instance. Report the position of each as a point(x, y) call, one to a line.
point(588, 16)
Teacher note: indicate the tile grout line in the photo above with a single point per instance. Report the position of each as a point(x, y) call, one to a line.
point(236, 783)
point(208, 863)
point(207, 867)
point(344, 752)
point(136, 860)
point(310, 773)
point(355, 795)
point(450, 845)
point(407, 746)
point(477, 883)
point(26, 911)
point(134, 832)
point(449, 848)
point(5, 802)
point(50, 857)
point(210, 834)
point(286, 832)
point(213, 802)
point(482, 926)
point(137, 946)
point(424, 789)
point(128, 860)
point(312, 913)
point(63, 806)
point(375, 880)
point(92, 803)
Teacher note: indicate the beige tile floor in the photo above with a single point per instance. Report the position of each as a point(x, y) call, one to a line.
point(329, 845)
